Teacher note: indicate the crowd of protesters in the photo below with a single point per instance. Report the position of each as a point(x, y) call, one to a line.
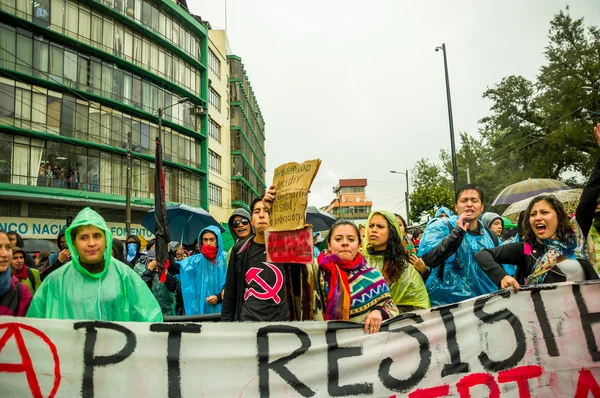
point(367, 273)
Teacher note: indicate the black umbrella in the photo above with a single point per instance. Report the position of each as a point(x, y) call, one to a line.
point(320, 220)
point(39, 245)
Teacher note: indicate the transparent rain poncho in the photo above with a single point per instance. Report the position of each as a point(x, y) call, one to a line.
point(116, 293)
point(200, 278)
point(459, 277)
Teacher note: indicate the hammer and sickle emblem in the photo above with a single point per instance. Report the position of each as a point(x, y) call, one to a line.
point(269, 292)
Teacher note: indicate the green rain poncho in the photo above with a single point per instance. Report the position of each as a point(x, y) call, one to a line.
point(117, 293)
point(409, 290)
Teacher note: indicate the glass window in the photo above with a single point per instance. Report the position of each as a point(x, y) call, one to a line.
point(175, 36)
point(67, 120)
point(127, 87)
point(130, 7)
point(108, 34)
point(96, 77)
point(146, 55)
point(96, 29)
point(54, 108)
point(117, 84)
point(41, 12)
point(25, 9)
point(70, 64)
point(128, 45)
point(137, 92)
point(107, 79)
point(137, 50)
point(154, 25)
point(146, 96)
point(57, 15)
point(154, 58)
point(168, 28)
point(116, 134)
point(38, 114)
point(145, 136)
point(71, 20)
point(105, 125)
point(81, 121)
point(24, 53)
point(138, 10)
point(8, 45)
point(161, 23)
point(146, 13)
point(23, 105)
point(118, 42)
point(85, 23)
point(83, 65)
point(56, 64)
point(94, 124)
point(135, 134)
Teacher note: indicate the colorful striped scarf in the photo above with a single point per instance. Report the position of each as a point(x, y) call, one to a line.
point(338, 298)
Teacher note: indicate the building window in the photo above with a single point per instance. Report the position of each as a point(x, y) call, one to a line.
point(214, 162)
point(214, 63)
point(214, 131)
point(215, 99)
point(215, 194)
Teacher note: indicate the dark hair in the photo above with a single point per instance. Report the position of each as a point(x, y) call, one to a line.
point(253, 203)
point(404, 224)
point(395, 257)
point(339, 223)
point(209, 232)
point(469, 187)
point(564, 231)
point(521, 224)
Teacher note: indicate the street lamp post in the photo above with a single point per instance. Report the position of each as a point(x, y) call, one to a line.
point(128, 177)
point(406, 201)
point(451, 122)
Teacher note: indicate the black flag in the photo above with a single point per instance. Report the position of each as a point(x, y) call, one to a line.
point(160, 215)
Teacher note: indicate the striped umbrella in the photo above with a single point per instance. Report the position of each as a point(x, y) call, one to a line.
point(568, 197)
point(527, 189)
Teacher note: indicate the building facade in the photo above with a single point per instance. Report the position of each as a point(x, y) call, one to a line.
point(77, 78)
point(219, 158)
point(247, 127)
point(351, 201)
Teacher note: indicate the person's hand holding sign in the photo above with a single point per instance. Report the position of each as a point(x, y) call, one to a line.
point(269, 196)
point(373, 322)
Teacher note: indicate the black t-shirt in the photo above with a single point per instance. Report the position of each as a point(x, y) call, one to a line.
point(265, 298)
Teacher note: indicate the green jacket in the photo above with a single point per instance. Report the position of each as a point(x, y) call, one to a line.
point(116, 293)
point(36, 280)
point(409, 290)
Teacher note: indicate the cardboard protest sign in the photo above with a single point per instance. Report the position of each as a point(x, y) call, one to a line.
point(292, 182)
point(541, 342)
point(290, 246)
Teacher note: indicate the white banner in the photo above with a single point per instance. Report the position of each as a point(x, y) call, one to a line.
point(540, 342)
point(40, 228)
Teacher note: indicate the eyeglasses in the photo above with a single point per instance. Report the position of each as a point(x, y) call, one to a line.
point(237, 223)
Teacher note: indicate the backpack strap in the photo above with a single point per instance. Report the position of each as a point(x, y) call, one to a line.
point(31, 278)
point(18, 289)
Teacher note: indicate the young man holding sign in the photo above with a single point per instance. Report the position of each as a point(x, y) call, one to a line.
point(259, 291)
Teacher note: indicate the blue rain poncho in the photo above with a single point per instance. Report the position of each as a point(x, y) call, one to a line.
point(200, 278)
point(459, 277)
point(115, 294)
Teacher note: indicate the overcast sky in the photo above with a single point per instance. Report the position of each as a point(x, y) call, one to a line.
point(359, 85)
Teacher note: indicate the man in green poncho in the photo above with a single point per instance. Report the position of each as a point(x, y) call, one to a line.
point(94, 285)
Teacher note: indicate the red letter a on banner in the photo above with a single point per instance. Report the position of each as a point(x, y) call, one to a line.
point(586, 384)
point(26, 366)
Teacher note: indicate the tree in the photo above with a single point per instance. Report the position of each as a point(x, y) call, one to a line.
point(432, 189)
point(542, 129)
